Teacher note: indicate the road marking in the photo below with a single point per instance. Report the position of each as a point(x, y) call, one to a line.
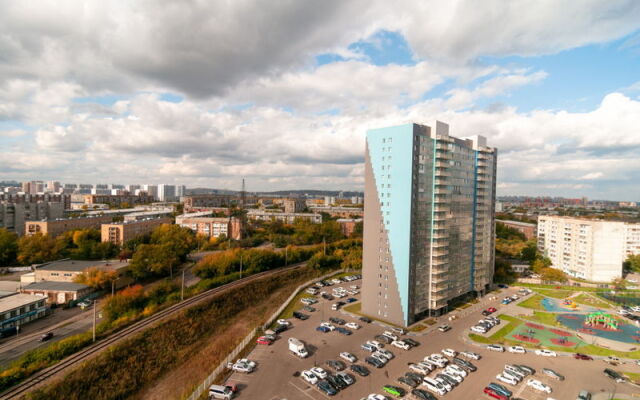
point(302, 391)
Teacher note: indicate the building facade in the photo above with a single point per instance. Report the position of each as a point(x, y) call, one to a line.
point(119, 233)
point(57, 292)
point(15, 210)
point(588, 249)
point(287, 218)
point(528, 230)
point(18, 309)
point(348, 225)
point(230, 227)
point(59, 226)
point(294, 205)
point(429, 221)
point(118, 200)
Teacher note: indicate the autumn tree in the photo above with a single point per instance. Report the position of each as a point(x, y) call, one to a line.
point(97, 278)
point(553, 275)
point(153, 260)
point(131, 298)
point(8, 247)
point(36, 249)
point(178, 240)
point(619, 284)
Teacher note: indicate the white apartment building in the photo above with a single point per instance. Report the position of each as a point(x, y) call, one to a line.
point(588, 249)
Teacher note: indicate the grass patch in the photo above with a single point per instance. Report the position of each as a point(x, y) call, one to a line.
point(430, 321)
point(633, 376)
point(498, 337)
point(556, 293)
point(543, 317)
point(533, 302)
point(417, 328)
point(592, 300)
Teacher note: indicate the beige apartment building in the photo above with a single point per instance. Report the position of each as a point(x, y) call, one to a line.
point(119, 233)
point(212, 226)
point(59, 226)
point(588, 249)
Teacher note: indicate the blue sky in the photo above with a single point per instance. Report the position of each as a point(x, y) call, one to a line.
point(556, 92)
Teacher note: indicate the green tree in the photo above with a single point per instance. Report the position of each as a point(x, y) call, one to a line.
point(358, 230)
point(8, 247)
point(553, 275)
point(36, 249)
point(539, 264)
point(152, 260)
point(619, 284)
point(320, 261)
point(530, 252)
point(633, 263)
point(508, 233)
point(179, 240)
point(503, 271)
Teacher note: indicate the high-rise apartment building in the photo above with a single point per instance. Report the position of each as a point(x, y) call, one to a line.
point(152, 190)
point(588, 249)
point(429, 220)
point(166, 192)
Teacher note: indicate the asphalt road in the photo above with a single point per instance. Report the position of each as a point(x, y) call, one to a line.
point(276, 364)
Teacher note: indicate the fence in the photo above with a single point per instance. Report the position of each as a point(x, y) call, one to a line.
point(209, 380)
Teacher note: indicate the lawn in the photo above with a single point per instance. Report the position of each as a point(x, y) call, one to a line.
point(633, 376)
point(417, 328)
point(533, 302)
point(498, 337)
point(543, 317)
point(591, 300)
point(556, 293)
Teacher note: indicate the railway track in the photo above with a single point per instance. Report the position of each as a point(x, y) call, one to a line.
point(39, 377)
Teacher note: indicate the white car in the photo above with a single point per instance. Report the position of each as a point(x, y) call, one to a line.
point(401, 344)
point(427, 365)
point(250, 363)
point(368, 347)
point(375, 344)
point(319, 372)
point(478, 329)
point(354, 287)
point(470, 355)
point(449, 352)
point(507, 379)
point(380, 357)
point(240, 367)
point(348, 356)
point(352, 325)
point(328, 325)
point(517, 349)
point(437, 361)
point(455, 377)
point(386, 353)
point(495, 347)
point(457, 369)
point(309, 377)
point(539, 386)
point(434, 386)
point(546, 353)
point(390, 335)
point(374, 396)
point(421, 369)
point(283, 322)
point(448, 387)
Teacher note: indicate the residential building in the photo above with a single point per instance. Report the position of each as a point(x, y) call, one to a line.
point(119, 233)
point(16, 209)
point(118, 200)
point(143, 215)
point(167, 193)
point(428, 223)
point(294, 205)
point(348, 225)
point(208, 200)
point(230, 227)
point(57, 292)
point(18, 309)
point(588, 249)
point(150, 190)
point(528, 230)
point(56, 227)
point(342, 212)
point(53, 187)
point(287, 218)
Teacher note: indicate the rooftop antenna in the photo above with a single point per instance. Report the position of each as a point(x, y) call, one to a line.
point(243, 196)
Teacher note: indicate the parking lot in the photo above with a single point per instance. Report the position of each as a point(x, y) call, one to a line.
point(275, 376)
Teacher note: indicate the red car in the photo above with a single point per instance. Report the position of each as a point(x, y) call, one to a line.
point(492, 309)
point(263, 340)
point(580, 356)
point(494, 394)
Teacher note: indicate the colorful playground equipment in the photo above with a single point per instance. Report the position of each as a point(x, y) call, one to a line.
point(569, 303)
point(602, 320)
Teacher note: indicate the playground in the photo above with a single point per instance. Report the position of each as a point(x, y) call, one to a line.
point(541, 335)
point(602, 325)
point(565, 305)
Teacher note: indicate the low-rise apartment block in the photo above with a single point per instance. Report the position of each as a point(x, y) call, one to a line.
point(212, 226)
point(118, 200)
point(287, 218)
point(18, 309)
point(338, 211)
point(348, 225)
point(588, 249)
point(59, 226)
point(119, 233)
point(528, 230)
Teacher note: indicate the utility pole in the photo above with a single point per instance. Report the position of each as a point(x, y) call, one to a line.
point(240, 266)
point(286, 255)
point(95, 305)
point(324, 243)
point(182, 288)
point(113, 283)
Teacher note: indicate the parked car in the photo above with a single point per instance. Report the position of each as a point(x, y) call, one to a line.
point(319, 372)
point(546, 353)
point(614, 375)
point(526, 369)
point(552, 373)
point(309, 377)
point(264, 340)
point(517, 349)
point(449, 352)
point(323, 329)
point(394, 390)
point(412, 383)
point(470, 355)
point(580, 356)
point(383, 338)
point(493, 393)
point(584, 395)
point(327, 388)
point(338, 321)
point(411, 342)
point(348, 356)
point(352, 325)
point(368, 347)
point(374, 362)
point(539, 386)
point(400, 344)
point(337, 365)
point(309, 309)
point(500, 389)
point(444, 328)
point(365, 319)
point(300, 315)
point(421, 394)
point(508, 379)
point(344, 331)
point(346, 377)
point(390, 335)
point(359, 369)
point(495, 347)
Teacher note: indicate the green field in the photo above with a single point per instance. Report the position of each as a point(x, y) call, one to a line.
point(533, 302)
point(592, 300)
point(555, 293)
point(543, 318)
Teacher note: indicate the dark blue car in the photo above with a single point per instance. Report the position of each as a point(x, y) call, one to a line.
point(323, 329)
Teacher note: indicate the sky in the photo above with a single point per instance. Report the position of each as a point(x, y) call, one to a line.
point(204, 93)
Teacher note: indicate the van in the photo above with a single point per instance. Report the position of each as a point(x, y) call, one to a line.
point(220, 392)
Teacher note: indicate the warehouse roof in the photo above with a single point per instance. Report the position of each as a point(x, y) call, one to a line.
point(17, 300)
point(57, 286)
point(81, 265)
